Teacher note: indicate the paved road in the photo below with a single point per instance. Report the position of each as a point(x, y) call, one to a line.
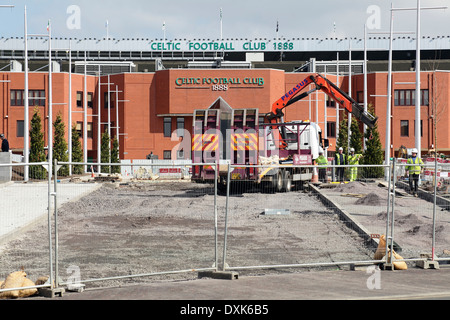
point(414, 283)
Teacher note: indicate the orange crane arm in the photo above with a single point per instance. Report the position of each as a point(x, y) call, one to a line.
point(321, 83)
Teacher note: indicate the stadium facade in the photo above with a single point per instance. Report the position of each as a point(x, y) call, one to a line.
point(145, 91)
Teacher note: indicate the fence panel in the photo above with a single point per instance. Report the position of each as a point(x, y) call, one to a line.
point(24, 225)
point(114, 229)
point(136, 228)
point(442, 214)
point(421, 221)
point(327, 224)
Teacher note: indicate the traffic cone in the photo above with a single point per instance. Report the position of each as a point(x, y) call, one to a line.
point(315, 177)
point(92, 172)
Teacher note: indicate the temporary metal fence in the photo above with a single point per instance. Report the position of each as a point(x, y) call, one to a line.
point(304, 226)
point(138, 229)
point(115, 228)
point(25, 207)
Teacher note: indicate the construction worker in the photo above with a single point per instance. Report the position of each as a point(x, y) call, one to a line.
point(413, 171)
point(340, 160)
point(322, 162)
point(353, 160)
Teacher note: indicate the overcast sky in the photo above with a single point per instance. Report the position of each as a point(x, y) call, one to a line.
point(198, 19)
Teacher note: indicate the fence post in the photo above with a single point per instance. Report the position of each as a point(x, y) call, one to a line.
point(49, 218)
point(56, 223)
point(216, 262)
point(389, 172)
point(433, 241)
point(394, 182)
point(226, 217)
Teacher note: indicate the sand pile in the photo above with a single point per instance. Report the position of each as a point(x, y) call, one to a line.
point(370, 200)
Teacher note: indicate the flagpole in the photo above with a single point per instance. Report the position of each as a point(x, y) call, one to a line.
point(221, 24)
point(277, 29)
point(26, 146)
point(164, 29)
point(107, 33)
point(50, 102)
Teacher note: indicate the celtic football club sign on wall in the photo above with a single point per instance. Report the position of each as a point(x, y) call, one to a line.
point(236, 45)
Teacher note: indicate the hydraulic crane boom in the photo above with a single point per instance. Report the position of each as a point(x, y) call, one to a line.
point(321, 83)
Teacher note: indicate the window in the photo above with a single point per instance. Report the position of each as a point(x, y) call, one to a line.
point(360, 97)
point(404, 128)
point(180, 127)
point(425, 97)
point(331, 129)
point(330, 102)
point(35, 98)
point(90, 100)
point(42, 98)
point(79, 99)
point(90, 130)
point(80, 129)
point(167, 155)
point(105, 98)
point(167, 127)
point(17, 98)
point(408, 98)
point(20, 129)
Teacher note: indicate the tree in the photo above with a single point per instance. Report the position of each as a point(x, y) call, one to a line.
point(105, 152)
point(342, 140)
point(77, 151)
point(356, 137)
point(437, 107)
point(115, 156)
point(60, 145)
point(37, 153)
point(373, 155)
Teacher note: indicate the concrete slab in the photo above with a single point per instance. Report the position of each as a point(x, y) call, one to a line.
point(24, 204)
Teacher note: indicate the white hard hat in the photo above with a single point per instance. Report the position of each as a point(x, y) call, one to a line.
point(414, 150)
point(341, 149)
point(352, 150)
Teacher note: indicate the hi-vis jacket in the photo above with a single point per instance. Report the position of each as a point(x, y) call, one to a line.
point(322, 162)
point(338, 159)
point(414, 169)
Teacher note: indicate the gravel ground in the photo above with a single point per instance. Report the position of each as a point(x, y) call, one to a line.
point(137, 228)
point(153, 227)
point(413, 217)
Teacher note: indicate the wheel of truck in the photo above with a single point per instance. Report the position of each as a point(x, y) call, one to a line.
point(277, 182)
point(287, 181)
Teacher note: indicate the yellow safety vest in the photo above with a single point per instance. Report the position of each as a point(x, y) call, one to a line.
point(414, 169)
point(322, 162)
point(338, 159)
point(354, 160)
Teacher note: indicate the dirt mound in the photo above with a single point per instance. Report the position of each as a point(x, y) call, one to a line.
point(408, 219)
point(426, 230)
point(352, 187)
point(402, 220)
point(370, 200)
